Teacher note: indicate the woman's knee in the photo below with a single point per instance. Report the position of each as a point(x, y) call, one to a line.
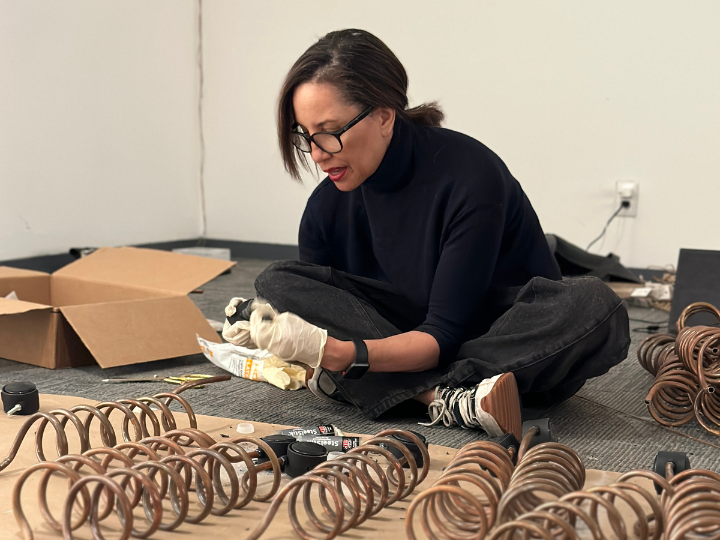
point(272, 277)
point(287, 277)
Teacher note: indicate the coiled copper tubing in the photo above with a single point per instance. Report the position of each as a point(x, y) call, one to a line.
point(649, 350)
point(595, 510)
point(692, 309)
point(693, 510)
point(389, 485)
point(687, 372)
point(546, 470)
point(107, 431)
point(351, 488)
point(463, 501)
point(671, 399)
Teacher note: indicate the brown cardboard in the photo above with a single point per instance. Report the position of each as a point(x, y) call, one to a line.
point(29, 285)
point(146, 268)
point(117, 306)
point(388, 523)
point(120, 333)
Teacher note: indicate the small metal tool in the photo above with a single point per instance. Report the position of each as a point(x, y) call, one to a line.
point(180, 379)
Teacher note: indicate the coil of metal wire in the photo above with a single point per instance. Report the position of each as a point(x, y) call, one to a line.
point(59, 418)
point(693, 309)
point(480, 487)
point(693, 508)
point(169, 470)
point(651, 349)
point(546, 471)
point(463, 501)
point(671, 399)
point(186, 460)
point(595, 511)
point(687, 372)
point(370, 486)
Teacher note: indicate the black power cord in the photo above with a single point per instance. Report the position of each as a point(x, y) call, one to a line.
point(623, 204)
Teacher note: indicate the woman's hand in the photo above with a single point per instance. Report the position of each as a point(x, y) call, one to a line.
point(287, 336)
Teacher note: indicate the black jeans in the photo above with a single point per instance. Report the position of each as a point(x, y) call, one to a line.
point(555, 336)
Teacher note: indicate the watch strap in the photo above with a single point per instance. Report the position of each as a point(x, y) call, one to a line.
point(361, 364)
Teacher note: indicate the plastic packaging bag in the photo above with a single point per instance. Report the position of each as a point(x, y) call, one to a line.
point(254, 364)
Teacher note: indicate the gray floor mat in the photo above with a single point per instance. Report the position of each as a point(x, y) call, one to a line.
point(607, 422)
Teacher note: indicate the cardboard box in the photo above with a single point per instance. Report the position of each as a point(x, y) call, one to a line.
point(117, 306)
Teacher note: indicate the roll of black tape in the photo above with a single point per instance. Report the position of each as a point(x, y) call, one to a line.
point(303, 457)
point(279, 445)
point(242, 312)
point(411, 446)
point(22, 394)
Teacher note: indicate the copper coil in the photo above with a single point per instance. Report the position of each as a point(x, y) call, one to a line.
point(707, 410)
point(179, 472)
point(687, 373)
point(595, 511)
point(59, 418)
point(350, 474)
point(395, 469)
point(196, 470)
point(671, 399)
point(489, 456)
point(546, 471)
point(693, 511)
point(215, 456)
point(649, 350)
point(184, 470)
point(480, 483)
point(463, 501)
point(699, 349)
point(692, 309)
point(460, 524)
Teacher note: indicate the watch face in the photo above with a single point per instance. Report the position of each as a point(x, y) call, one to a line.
point(355, 371)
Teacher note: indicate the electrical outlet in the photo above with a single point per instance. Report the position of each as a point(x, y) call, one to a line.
point(627, 192)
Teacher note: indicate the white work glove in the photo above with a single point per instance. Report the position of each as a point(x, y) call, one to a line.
point(287, 336)
point(238, 333)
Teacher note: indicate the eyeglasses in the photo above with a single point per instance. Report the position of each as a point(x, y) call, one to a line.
point(327, 141)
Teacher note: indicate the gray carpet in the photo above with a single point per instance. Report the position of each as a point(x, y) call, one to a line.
point(607, 422)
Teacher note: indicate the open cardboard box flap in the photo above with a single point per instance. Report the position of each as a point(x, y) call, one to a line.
point(29, 285)
point(122, 333)
point(11, 307)
point(7, 272)
point(120, 305)
point(146, 268)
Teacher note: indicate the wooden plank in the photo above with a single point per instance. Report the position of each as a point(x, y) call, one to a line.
point(389, 523)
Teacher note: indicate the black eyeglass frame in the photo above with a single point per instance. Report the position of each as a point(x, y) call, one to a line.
point(311, 138)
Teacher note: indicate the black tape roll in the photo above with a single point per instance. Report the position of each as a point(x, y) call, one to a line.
point(680, 461)
point(279, 445)
point(411, 446)
point(303, 457)
point(24, 394)
point(242, 312)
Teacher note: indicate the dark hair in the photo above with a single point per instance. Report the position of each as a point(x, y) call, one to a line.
point(364, 70)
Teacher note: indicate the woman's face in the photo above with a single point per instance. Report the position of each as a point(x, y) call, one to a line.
point(319, 107)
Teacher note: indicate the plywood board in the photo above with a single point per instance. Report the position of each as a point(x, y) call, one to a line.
point(389, 523)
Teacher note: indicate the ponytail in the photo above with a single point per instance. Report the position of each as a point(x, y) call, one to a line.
point(427, 114)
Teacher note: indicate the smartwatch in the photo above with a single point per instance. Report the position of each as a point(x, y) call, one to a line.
point(358, 368)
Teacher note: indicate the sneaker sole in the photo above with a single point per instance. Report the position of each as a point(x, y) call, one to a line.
point(503, 403)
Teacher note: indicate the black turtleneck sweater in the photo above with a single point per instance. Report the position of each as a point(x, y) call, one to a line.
point(444, 222)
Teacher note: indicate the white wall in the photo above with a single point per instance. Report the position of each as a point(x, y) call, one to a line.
point(98, 124)
point(99, 130)
point(572, 95)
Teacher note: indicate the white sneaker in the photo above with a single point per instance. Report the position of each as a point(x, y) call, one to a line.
point(492, 405)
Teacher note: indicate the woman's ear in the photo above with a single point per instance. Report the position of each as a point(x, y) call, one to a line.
point(385, 116)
